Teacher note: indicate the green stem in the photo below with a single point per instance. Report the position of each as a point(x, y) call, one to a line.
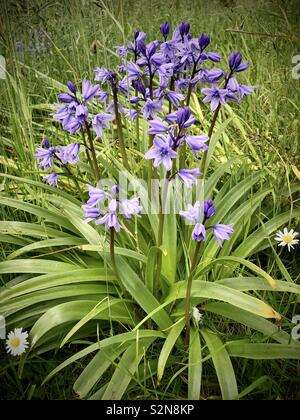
point(113, 258)
point(150, 167)
point(189, 291)
point(161, 231)
point(72, 176)
point(119, 127)
point(210, 133)
point(75, 182)
point(87, 152)
point(182, 157)
point(93, 151)
point(138, 142)
point(211, 130)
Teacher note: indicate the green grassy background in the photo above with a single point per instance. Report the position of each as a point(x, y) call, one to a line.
point(82, 37)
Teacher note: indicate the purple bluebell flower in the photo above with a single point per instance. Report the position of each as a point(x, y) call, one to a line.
point(157, 127)
point(65, 98)
point(242, 90)
point(124, 86)
point(89, 91)
point(183, 84)
point(100, 122)
point(103, 96)
point(131, 207)
point(162, 153)
point(64, 113)
point(165, 71)
point(204, 41)
point(157, 60)
point(103, 75)
point(222, 232)
point(72, 125)
point(46, 143)
point(165, 29)
point(151, 108)
point(168, 49)
point(186, 53)
point(193, 212)
point(111, 108)
point(96, 195)
point(134, 46)
point(139, 86)
point(91, 213)
point(209, 209)
point(69, 154)
point(235, 62)
point(215, 96)
point(184, 28)
point(188, 176)
point(115, 189)
point(72, 87)
point(46, 155)
point(211, 76)
point(134, 72)
point(122, 68)
point(130, 114)
point(172, 118)
point(110, 219)
point(212, 56)
point(81, 113)
point(51, 179)
point(175, 97)
point(135, 99)
point(184, 117)
point(121, 51)
point(199, 233)
point(197, 143)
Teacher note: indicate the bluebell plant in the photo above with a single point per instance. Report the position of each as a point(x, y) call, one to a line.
point(154, 81)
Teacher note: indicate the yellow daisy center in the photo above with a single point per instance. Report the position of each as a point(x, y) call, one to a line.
point(288, 239)
point(15, 342)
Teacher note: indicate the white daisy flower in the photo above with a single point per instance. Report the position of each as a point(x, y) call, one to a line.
point(287, 238)
point(197, 316)
point(17, 342)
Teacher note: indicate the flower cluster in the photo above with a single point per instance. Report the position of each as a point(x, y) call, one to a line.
point(63, 155)
point(105, 208)
point(170, 135)
point(170, 69)
point(195, 214)
point(40, 43)
point(73, 112)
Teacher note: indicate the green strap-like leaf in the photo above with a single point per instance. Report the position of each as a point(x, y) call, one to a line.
point(215, 291)
point(171, 339)
point(195, 365)
point(262, 351)
point(222, 364)
point(126, 369)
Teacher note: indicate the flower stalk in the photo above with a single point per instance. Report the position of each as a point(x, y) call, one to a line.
point(189, 291)
point(119, 126)
point(93, 151)
point(113, 259)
